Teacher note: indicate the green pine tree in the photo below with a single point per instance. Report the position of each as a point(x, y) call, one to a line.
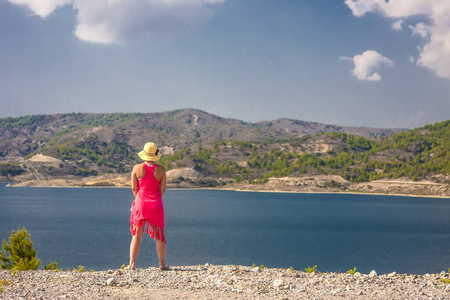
point(22, 255)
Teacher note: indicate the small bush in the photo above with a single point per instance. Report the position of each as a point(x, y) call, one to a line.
point(352, 271)
point(291, 269)
point(80, 269)
point(2, 282)
point(445, 280)
point(311, 270)
point(52, 266)
point(22, 255)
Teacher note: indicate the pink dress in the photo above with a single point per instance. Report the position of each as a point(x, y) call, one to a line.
point(148, 209)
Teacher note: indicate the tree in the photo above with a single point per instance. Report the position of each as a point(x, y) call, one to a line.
point(22, 255)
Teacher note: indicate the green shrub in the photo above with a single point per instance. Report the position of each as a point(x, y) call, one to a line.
point(52, 266)
point(22, 255)
point(311, 270)
point(1, 285)
point(80, 269)
point(352, 271)
point(3, 282)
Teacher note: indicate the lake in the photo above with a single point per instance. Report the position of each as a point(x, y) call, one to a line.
point(336, 232)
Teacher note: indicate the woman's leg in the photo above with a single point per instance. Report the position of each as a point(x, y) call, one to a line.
point(161, 249)
point(136, 245)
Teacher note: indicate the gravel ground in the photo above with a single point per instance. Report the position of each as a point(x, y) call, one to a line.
point(223, 282)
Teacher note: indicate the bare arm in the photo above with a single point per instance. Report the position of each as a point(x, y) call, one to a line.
point(135, 174)
point(134, 186)
point(162, 182)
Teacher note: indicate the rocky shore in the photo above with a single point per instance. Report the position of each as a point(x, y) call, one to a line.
point(304, 184)
point(222, 282)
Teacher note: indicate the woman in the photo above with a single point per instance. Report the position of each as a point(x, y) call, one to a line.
point(148, 182)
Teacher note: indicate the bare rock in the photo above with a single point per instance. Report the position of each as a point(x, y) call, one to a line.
point(111, 281)
point(278, 282)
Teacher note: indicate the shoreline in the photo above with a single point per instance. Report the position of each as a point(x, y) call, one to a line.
point(223, 282)
point(245, 190)
point(323, 184)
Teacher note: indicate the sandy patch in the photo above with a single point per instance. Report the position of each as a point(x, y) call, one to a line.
point(182, 172)
point(44, 159)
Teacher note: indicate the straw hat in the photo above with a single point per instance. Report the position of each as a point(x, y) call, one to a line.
point(150, 152)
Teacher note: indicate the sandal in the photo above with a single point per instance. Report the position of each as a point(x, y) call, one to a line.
point(164, 267)
point(130, 267)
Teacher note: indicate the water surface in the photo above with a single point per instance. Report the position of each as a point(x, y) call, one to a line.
point(90, 227)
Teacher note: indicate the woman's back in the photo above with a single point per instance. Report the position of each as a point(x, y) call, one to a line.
point(148, 186)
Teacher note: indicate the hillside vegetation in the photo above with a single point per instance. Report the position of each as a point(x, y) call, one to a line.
point(220, 151)
point(417, 154)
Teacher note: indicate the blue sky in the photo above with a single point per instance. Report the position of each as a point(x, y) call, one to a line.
point(346, 62)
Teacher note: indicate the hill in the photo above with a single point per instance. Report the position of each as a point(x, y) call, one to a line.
point(204, 150)
point(91, 144)
point(178, 129)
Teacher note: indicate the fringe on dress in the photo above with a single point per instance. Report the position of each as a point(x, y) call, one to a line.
point(152, 230)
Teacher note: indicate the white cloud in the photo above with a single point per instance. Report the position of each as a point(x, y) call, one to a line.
point(113, 21)
point(366, 63)
point(41, 7)
point(346, 58)
point(435, 47)
point(393, 8)
point(397, 25)
point(420, 29)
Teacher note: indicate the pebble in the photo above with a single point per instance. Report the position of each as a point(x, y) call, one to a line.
point(278, 283)
point(219, 281)
point(393, 274)
point(111, 281)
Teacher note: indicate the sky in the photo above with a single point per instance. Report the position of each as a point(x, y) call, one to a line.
point(373, 63)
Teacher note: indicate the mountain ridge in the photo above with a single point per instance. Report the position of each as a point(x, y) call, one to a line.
point(177, 129)
point(205, 150)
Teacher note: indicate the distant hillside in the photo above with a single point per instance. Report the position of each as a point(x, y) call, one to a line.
point(177, 130)
point(414, 162)
point(202, 149)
